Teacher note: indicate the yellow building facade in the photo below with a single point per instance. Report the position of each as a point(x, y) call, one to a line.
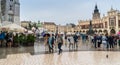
point(25, 24)
point(49, 26)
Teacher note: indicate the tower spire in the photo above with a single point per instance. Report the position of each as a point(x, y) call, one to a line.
point(96, 6)
point(111, 8)
point(96, 9)
point(96, 14)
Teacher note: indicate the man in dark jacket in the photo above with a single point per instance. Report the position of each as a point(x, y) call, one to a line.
point(99, 40)
point(95, 41)
point(75, 37)
point(60, 43)
point(110, 40)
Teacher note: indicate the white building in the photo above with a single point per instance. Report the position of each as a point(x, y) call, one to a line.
point(10, 11)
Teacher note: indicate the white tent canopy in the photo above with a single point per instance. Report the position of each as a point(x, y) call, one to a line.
point(30, 32)
point(14, 27)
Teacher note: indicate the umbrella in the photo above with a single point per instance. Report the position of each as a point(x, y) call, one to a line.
point(47, 34)
point(61, 32)
point(13, 27)
point(33, 28)
point(43, 33)
point(30, 32)
point(69, 33)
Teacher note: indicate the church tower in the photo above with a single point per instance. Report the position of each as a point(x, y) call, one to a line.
point(96, 14)
point(10, 10)
point(17, 11)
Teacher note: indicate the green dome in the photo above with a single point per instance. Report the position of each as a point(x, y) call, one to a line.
point(39, 25)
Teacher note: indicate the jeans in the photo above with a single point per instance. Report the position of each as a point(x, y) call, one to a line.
point(59, 47)
point(51, 49)
point(111, 45)
point(75, 45)
point(95, 44)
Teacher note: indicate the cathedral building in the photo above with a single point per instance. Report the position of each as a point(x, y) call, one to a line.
point(109, 23)
point(9, 12)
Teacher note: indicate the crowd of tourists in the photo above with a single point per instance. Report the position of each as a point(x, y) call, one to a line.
point(60, 39)
point(71, 41)
point(51, 40)
point(108, 41)
point(54, 41)
point(8, 39)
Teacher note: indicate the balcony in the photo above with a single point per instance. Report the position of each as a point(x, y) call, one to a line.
point(10, 12)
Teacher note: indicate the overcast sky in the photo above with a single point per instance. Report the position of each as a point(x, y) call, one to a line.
point(63, 11)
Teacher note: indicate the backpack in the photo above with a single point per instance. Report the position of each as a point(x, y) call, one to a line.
point(60, 40)
point(68, 39)
point(52, 40)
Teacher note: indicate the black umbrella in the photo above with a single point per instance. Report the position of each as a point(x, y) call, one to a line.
point(47, 34)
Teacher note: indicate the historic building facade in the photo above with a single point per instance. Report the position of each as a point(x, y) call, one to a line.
point(49, 26)
point(10, 11)
point(25, 24)
point(61, 28)
point(109, 23)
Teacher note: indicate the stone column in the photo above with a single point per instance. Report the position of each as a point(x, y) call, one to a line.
point(0, 13)
point(117, 28)
point(108, 29)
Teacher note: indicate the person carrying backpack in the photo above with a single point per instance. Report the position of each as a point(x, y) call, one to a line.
point(75, 41)
point(60, 43)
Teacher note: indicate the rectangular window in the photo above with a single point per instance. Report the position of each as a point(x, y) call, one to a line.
point(112, 21)
point(101, 25)
point(11, 18)
point(119, 23)
point(83, 26)
point(106, 25)
point(10, 7)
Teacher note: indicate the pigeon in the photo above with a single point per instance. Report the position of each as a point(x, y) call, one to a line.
point(106, 56)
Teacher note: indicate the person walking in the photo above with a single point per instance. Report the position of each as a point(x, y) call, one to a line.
point(95, 41)
point(66, 40)
point(70, 41)
point(10, 40)
point(51, 42)
point(46, 38)
point(2, 37)
point(60, 43)
point(99, 40)
point(119, 42)
point(75, 37)
point(92, 40)
point(110, 40)
point(104, 41)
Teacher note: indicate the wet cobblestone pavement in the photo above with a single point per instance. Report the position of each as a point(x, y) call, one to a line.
point(37, 55)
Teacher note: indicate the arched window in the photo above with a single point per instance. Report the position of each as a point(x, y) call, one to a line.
point(11, 0)
point(95, 31)
point(105, 31)
point(113, 31)
point(100, 30)
point(10, 7)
